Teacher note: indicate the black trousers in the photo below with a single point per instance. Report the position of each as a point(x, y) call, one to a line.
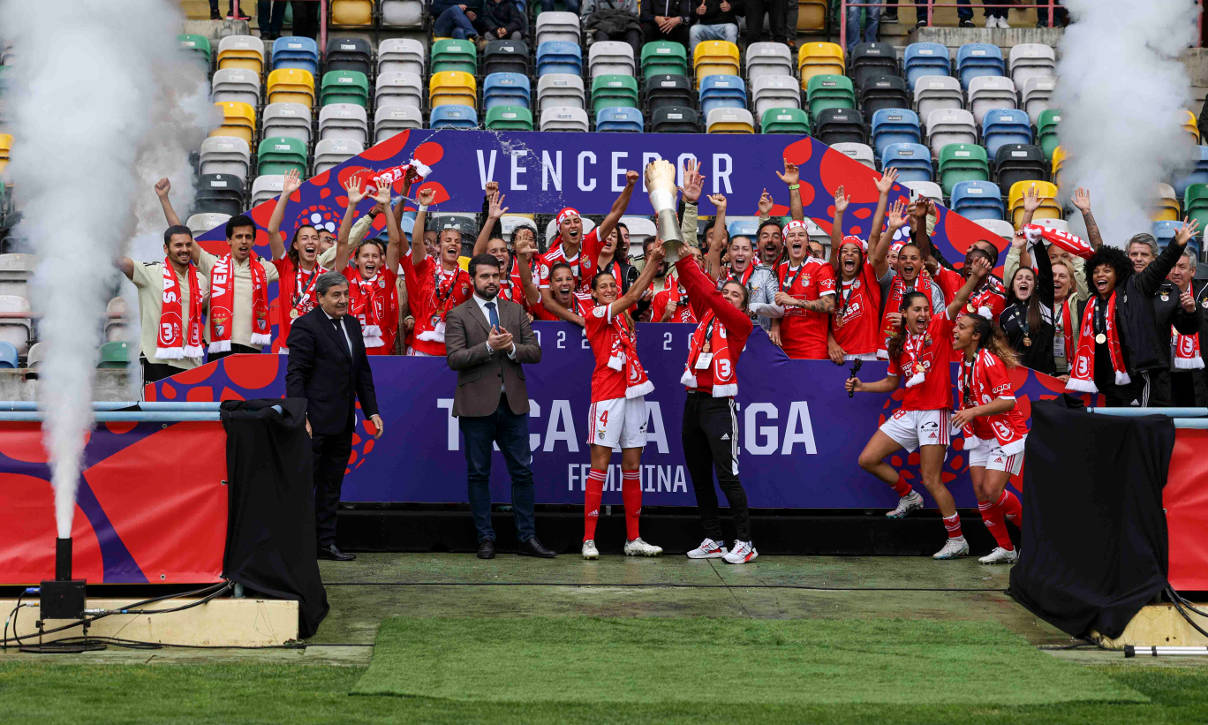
point(236, 349)
point(652, 33)
point(306, 19)
point(154, 372)
point(634, 38)
point(710, 437)
point(330, 459)
point(776, 11)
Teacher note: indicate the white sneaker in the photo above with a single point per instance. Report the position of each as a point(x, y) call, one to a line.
point(637, 547)
point(991, 21)
point(952, 549)
point(912, 501)
point(1000, 556)
point(742, 553)
point(1002, 23)
point(589, 550)
point(708, 549)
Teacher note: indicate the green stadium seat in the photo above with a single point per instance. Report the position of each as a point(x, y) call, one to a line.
point(509, 118)
point(614, 91)
point(279, 154)
point(829, 91)
point(195, 43)
point(962, 162)
point(114, 355)
point(662, 57)
point(453, 54)
point(344, 86)
point(785, 120)
point(1195, 203)
point(1047, 125)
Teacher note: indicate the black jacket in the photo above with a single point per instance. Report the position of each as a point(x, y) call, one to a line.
point(1014, 319)
point(713, 12)
point(666, 8)
point(503, 14)
point(321, 370)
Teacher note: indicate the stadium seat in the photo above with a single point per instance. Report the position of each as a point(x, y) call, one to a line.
point(1018, 162)
point(509, 118)
point(829, 91)
point(1032, 60)
point(264, 187)
point(974, 60)
point(664, 58)
point(962, 162)
point(742, 226)
point(506, 89)
point(837, 125)
point(668, 90)
point(563, 118)
point(34, 358)
point(353, 13)
point(235, 84)
point(6, 150)
point(714, 57)
point(1047, 126)
point(817, 59)
point(291, 85)
point(626, 120)
point(287, 119)
point(451, 54)
point(16, 322)
point(611, 91)
point(506, 56)
point(1164, 233)
point(858, 152)
point(295, 51)
point(509, 223)
point(16, 269)
point(561, 90)
point(785, 120)
point(117, 314)
point(403, 14)
point(1036, 95)
point(948, 126)
point(389, 120)
point(768, 59)
point(115, 355)
point(558, 26)
point(912, 160)
point(196, 45)
point(988, 93)
point(452, 116)
point(202, 223)
point(1198, 175)
point(884, 92)
point(721, 91)
point(925, 189)
point(218, 194)
point(355, 54)
point(1049, 208)
point(241, 51)
point(1191, 126)
point(1166, 206)
point(977, 199)
point(729, 120)
point(611, 57)
point(558, 56)
point(1006, 126)
point(925, 59)
point(1000, 227)
point(456, 88)
point(894, 125)
point(344, 120)
point(934, 93)
point(238, 120)
point(1057, 163)
point(811, 14)
point(398, 88)
point(401, 55)
point(768, 92)
point(8, 355)
point(225, 155)
point(870, 61)
point(640, 229)
point(675, 119)
point(345, 86)
point(333, 152)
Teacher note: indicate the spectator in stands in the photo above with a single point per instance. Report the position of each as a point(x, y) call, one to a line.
point(435, 285)
point(306, 18)
point(298, 268)
point(776, 11)
point(373, 291)
point(456, 19)
point(872, 23)
point(666, 20)
point(572, 6)
point(612, 20)
point(1188, 385)
point(714, 20)
point(331, 382)
point(997, 17)
point(501, 20)
point(269, 16)
point(232, 13)
point(1061, 16)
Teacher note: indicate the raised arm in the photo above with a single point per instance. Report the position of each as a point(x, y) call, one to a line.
point(979, 268)
point(1031, 202)
point(126, 265)
point(493, 206)
point(1082, 200)
point(791, 178)
point(713, 256)
point(162, 188)
point(841, 202)
point(918, 226)
point(394, 233)
point(694, 182)
point(1044, 274)
point(627, 300)
point(524, 259)
point(355, 195)
point(765, 206)
point(619, 205)
point(878, 254)
point(1150, 278)
point(421, 223)
point(275, 242)
point(884, 186)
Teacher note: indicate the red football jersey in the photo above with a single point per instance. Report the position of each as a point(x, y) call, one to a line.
point(607, 382)
point(803, 332)
point(583, 264)
point(935, 392)
point(855, 322)
point(982, 381)
point(431, 293)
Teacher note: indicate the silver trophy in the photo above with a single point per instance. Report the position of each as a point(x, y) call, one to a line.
point(660, 182)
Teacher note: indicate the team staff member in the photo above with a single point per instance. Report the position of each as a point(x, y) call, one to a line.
point(434, 286)
point(373, 289)
point(1188, 384)
point(921, 352)
point(298, 268)
point(806, 298)
point(239, 280)
point(618, 404)
point(995, 429)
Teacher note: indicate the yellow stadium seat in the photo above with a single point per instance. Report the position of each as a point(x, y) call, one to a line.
point(452, 87)
point(291, 85)
point(6, 147)
point(1192, 126)
point(819, 59)
point(1049, 208)
point(241, 51)
point(238, 120)
point(811, 14)
point(715, 57)
point(352, 12)
point(1166, 205)
point(1058, 162)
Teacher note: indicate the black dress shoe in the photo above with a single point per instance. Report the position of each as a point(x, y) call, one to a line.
point(532, 547)
point(332, 553)
point(486, 549)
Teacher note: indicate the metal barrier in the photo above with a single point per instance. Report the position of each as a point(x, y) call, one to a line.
point(1192, 418)
point(21, 411)
point(931, 5)
point(322, 21)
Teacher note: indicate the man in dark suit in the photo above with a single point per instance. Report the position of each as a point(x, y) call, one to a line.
point(487, 339)
point(328, 366)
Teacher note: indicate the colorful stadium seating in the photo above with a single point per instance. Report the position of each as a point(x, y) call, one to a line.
point(238, 120)
point(815, 59)
point(241, 51)
point(292, 85)
point(714, 57)
point(664, 57)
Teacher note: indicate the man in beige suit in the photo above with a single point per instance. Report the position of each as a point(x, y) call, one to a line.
point(486, 341)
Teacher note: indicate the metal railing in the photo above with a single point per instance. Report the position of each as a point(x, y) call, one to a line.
point(23, 411)
point(931, 5)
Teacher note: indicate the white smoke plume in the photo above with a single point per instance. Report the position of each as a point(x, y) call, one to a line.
point(83, 99)
point(1123, 95)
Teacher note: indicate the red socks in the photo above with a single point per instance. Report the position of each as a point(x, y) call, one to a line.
point(591, 503)
point(900, 487)
point(1012, 509)
point(952, 524)
point(996, 515)
point(631, 492)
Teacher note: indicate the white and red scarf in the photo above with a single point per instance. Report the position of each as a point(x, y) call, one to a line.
point(973, 389)
point(1067, 327)
point(305, 299)
point(914, 358)
point(1082, 369)
point(897, 290)
point(444, 285)
point(1071, 243)
point(711, 333)
point(728, 275)
point(369, 301)
point(177, 339)
point(1186, 350)
point(222, 303)
point(623, 355)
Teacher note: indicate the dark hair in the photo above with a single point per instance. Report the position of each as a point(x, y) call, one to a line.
point(561, 265)
point(992, 257)
point(1032, 303)
point(374, 241)
point(622, 225)
point(975, 252)
point(769, 222)
point(1111, 257)
point(174, 230)
point(990, 336)
point(327, 280)
point(293, 253)
point(894, 346)
point(479, 260)
point(237, 221)
point(746, 294)
point(595, 278)
point(736, 237)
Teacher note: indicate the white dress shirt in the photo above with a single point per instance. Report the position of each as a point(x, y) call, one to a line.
point(343, 329)
point(486, 314)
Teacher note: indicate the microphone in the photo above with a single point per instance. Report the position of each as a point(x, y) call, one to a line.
point(855, 368)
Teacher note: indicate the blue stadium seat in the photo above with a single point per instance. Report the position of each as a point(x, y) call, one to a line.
point(742, 228)
point(559, 56)
point(294, 51)
point(1004, 126)
point(506, 89)
point(722, 91)
point(977, 200)
point(1199, 175)
point(450, 116)
point(925, 59)
point(1164, 232)
point(978, 59)
point(618, 118)
point(8, 355)
point(895, 125)
point(912, 160)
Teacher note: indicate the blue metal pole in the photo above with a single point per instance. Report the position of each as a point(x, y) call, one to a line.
point(104, 405)
point(1138, 412)
point(120, 416)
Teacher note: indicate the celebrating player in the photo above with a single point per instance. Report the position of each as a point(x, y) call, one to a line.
point(434, 286)
point(806, 296)
point(298, 268)
point(372, 281)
